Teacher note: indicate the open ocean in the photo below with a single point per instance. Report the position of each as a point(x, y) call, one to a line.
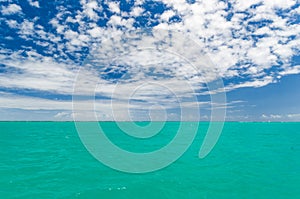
point(250, 160)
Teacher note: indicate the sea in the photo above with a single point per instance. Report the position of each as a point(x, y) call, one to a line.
point(250, 160)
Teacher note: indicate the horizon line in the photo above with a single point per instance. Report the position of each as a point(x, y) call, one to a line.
point(146, 121)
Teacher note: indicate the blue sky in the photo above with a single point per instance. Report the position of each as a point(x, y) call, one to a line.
point(149, 59)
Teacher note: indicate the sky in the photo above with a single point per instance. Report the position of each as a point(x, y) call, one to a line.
point(150, 60)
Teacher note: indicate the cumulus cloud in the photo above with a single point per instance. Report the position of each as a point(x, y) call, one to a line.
point(11, 9)
point(248, 34)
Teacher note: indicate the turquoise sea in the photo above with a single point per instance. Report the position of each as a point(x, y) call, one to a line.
point(250, 160)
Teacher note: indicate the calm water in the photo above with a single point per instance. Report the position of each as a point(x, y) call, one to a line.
point(251, 160)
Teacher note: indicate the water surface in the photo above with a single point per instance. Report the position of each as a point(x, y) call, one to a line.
point(250, 160)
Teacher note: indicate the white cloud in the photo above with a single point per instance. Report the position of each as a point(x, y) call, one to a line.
point(281, 117)
point(291, 70)
point(34, 3)
point(32, 103)
point(167, 15)
point(275, 116)
point(119, 21)
point(243, 5)
point(280, 3)
point(136, 11)
point(26, 28)
point(205, 20)
point(114, 7)
point(11, 9)
point(63, 115)
point(12, 23)
point(256, 83)
point(294, 116)
point(89, 9)
point(43, 75)
point(95, 32)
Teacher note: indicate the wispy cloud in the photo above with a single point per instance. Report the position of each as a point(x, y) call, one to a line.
point(281, 117)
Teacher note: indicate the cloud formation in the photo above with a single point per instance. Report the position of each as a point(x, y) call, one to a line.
point(250, 44)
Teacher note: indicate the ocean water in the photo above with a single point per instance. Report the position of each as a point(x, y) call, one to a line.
point(250, 160)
